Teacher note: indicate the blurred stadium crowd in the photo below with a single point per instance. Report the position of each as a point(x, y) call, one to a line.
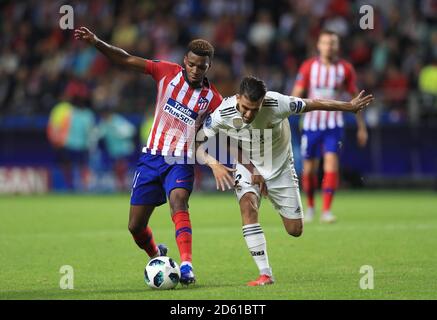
point(43, 69)
point(38, 61)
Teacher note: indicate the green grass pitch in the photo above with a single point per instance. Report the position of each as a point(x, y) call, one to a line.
point(394, 232)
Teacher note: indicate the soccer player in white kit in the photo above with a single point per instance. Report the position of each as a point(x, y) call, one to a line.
point(259, 120)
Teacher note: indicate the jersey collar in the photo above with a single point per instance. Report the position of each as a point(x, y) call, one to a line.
point(334, 61)
point(205, 82)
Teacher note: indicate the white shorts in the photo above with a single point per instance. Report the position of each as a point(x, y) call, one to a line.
point(283, 190)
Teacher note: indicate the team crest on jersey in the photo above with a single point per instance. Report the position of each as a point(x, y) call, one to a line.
point(237, 122)
point(203, 103)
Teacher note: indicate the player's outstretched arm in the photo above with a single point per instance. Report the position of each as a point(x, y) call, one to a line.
point(362, 135)
point(114, 54)
point(356, 104)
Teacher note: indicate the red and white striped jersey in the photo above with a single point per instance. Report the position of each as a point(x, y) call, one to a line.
point(180, 109)
point(325, 82)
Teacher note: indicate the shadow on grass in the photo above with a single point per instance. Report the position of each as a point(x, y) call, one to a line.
point(62, 294)
point(149, 293)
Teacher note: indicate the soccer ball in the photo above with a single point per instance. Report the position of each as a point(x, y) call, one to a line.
point(162, 273)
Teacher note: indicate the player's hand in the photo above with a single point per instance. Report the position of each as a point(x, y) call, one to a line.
point(86, 35)
point(222, 175)
point(362, 137)
point(361, 101)
point(259, 180)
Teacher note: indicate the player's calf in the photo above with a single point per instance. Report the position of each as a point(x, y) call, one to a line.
point(144, 240)
point(249, 208)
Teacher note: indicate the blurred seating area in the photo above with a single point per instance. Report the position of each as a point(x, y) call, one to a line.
point(397, 60)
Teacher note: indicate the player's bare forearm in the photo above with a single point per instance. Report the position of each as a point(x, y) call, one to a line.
point(120, 56)
point(222, 174)
point(361, 124)
point(362, 135)
point(113, 53)
point(356, 104)
point(203, 157)
point(327, 105)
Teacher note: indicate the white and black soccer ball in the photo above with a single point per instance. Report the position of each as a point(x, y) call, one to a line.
point(162, 273)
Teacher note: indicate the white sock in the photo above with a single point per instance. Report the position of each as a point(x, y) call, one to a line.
point(256, 242)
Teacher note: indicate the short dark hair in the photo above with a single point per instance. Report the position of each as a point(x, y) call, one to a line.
point(328, 32)
point(253, 88)
point(201, 47)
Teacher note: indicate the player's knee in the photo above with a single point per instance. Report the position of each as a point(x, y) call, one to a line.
point(179, 200)
point(295, 231)
point(134, 228)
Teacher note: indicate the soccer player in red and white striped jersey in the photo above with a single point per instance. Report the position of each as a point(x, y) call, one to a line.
point(325, 77)
point(180, 109)
point(185, 97)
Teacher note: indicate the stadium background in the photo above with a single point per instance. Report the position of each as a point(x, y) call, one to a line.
point(392, 231)
point(396, 61)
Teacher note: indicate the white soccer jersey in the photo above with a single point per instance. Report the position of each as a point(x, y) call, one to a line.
point(267, 139)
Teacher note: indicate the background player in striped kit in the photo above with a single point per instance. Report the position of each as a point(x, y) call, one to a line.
point(185, 97)
point(325, 77)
